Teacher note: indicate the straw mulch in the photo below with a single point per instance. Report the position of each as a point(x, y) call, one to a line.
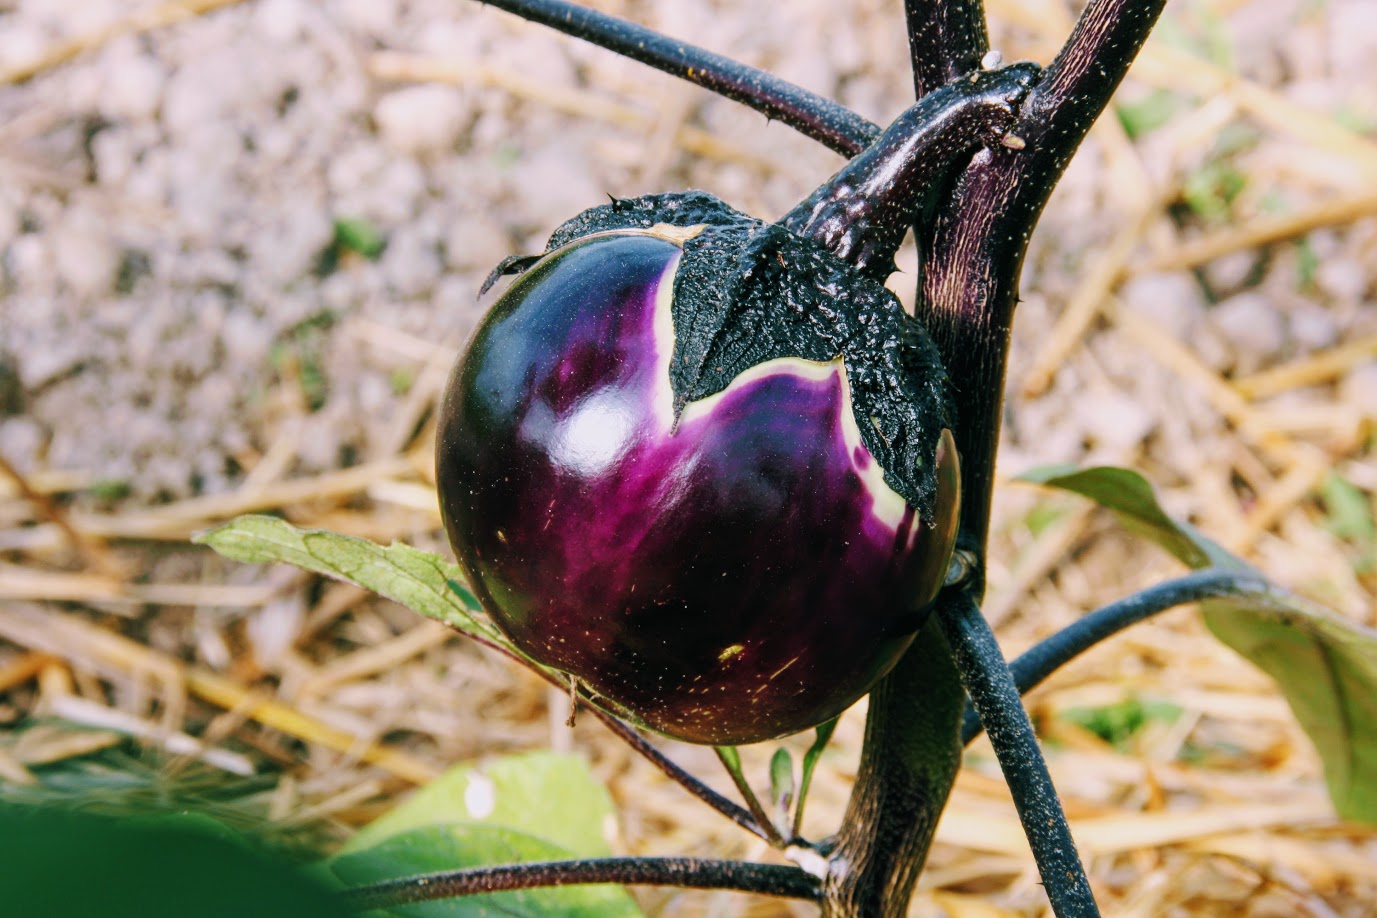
point(1198, 305)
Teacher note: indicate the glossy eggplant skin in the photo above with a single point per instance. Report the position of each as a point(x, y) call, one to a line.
point(732, 575)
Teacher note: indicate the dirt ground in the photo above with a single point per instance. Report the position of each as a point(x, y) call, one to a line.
point(240, 247)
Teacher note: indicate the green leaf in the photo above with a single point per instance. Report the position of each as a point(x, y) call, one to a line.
point(430, 849)
point(782, 780)
point(546, 795)
point(422, 582)
point(1350, 517)
point(1131, 498)
point(1149, 113)
point(1327, 668)
point(58, 862)
point(822, 736)
point(1118, 723)
point(1326, 665)
point(359, 235)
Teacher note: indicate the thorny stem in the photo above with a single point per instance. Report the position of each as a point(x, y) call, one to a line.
point(691, 873)
point(834, 126)
point(1047, 657)
point(991, 686)
point(974, 247)
point(861, 214)
point(945, 39)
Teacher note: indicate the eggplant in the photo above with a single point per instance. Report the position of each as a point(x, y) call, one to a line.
point(702, 462)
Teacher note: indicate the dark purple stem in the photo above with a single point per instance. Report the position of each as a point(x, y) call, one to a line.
point(834, 126)
point(690, 873)
point(1049, 655)
point(908, 764)
point(946, 39)
point(974, 247)
point(991, 686)
point(861, 213)
point(972, 250)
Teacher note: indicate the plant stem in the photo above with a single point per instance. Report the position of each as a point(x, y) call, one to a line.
point(861, 214)
point(991, 686)
point(628, 734)
point(974, 246)
point(1049, 655)
point(908, 763)
point(834, 126)
point(945, 39)
point(690, 873)
point(731, 761)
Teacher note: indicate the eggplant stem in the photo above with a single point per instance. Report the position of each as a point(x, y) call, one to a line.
point(1051, 654)
point(990, 683)
point(833, 125)
point(861, 213)
point(945, 40)
point(684, 872)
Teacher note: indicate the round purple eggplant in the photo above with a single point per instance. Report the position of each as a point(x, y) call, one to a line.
point(723, 506)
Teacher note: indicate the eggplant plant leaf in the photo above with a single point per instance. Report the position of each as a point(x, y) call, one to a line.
point(423, 582)
point(536, 806)
point(1325, 664)
point(544, 794)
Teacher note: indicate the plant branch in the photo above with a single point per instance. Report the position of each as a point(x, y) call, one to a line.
point(834, 126)
point(629, 735)
point(731, 761)
point(946, 39)
point(991, 686)
point(689, 873)
point(712, 798)
point(975, 245)
point(1049, 655)
point(908, 763)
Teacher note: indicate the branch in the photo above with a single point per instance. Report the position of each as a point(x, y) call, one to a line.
point(991, 686)
point(1051, 654)
point(834, 126)
point(628, 734)
point(712, 798)
point(685, 872)
point(975, 245)
point(946, 39)
point(908, 764)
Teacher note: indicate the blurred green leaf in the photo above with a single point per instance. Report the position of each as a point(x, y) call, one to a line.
point(1307, 265)
point(434, 848)
point(1210, 191)
point(1150, 112)
point(546, 795)
point(782, 780)
point(533, 807)
point(355, 234)
point(60, 863)
point(1117, 723)
point(1325, 664)
point(1350, 517)
point(110, 489)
